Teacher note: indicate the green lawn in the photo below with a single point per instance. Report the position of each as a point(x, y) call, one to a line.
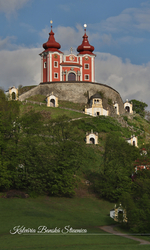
point(53, 112)
point(86, 213)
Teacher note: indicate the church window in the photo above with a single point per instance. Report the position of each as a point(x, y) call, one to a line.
point(56, 64)
point(45, 65)
point(86, 66)
point(55, 75)
point(86, 77)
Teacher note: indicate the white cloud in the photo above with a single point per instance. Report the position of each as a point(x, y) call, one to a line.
point(20, 66)
point(130, 19)
point(69, 37)
point(11, 6)
point(66, 36)
point(131, 81)
point(6, 43)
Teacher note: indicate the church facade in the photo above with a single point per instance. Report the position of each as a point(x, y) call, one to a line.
point(72, 78)
point(55, 66)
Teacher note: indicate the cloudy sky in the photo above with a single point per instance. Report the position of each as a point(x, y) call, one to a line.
point(118, 29)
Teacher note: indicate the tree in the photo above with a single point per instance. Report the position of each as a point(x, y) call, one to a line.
point(139, 107)
point(137, 203)
point(116, 175)
point(147, 115)
point(50, 155)
point(9, 111)
point(66, 155)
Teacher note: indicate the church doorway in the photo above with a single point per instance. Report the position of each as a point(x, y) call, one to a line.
point(71, 77)
point(52, 103)
point(92, 141)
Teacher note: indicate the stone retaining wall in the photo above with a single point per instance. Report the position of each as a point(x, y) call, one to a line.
point(75, 92)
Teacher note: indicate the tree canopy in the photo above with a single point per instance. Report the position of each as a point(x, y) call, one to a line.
point(37, 157)
point(139, 107)
point(115, 176)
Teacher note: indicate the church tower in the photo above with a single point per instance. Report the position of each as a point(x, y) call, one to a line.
point(55, 66)
point(86, 59)
point(51, 58)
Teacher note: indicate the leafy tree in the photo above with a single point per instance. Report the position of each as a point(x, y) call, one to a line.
point(139, 107)
point(50, 155)
point(9, 111)
point(147, 115)
point(137, 203)
point(116, 175)
point(66, 155)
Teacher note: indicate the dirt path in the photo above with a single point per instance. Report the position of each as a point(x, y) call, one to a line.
point(110, 229)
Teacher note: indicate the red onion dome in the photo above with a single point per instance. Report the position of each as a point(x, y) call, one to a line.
point(85, 47)
point(51, 44)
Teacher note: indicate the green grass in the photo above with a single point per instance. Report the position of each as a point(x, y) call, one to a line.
point(54, 112)
point(88, 213)
point(37, 98)
point(100, 124)
point(26, 88)
point(72, 105)
point(123, 229)
point(63, 104)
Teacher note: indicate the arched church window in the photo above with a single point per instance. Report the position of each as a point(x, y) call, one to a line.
point(56, 64)
point(55, 75)
point(86, 77)
point(86, 66)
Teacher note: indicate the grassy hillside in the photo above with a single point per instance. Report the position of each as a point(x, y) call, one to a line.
point(25, 89)
point(82, 211)
point(85, 213)
point(93, 154)
point(103, 125)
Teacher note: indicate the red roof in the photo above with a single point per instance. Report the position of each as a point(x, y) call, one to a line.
point(51, 44)
point(143, 149)
point(85, 47)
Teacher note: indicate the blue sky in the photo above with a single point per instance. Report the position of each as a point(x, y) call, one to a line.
point(119, 31)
